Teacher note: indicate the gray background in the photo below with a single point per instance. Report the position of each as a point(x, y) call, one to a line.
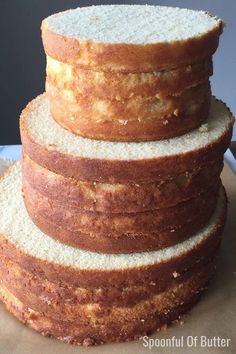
point(22, 59)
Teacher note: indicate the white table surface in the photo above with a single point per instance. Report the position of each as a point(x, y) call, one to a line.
point(10, 152)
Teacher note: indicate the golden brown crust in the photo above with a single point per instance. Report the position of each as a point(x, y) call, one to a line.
point(94, 169)
point(119, 233)
point(121, 277)
point(102, 314)
point(19, 280)
point(115, 198)
point(111, 85)
point(135, 119)
point(119, 328)
point(76, 219)
point(83, 336)
point(130, 57)
point(125, 243)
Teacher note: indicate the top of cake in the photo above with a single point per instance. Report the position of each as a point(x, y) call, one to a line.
point(136, 24)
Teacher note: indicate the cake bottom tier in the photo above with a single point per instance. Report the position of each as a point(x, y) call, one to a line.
point(152, 288)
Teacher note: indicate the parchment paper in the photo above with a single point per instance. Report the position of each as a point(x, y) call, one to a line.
point(213, 316)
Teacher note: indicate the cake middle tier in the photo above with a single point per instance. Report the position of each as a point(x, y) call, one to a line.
point(55, 159)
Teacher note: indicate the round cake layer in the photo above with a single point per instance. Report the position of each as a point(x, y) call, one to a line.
point(115, 85)
point(123, 232)
point(81, 314)
point(120, 197)
point(76, 219)
point(45, 142)
point(21, 281)
point(109, 38)
point(23, 242)
point(95, 324)
point(134, 119)
point(124, 243)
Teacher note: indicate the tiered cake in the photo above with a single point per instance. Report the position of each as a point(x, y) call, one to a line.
point(119, 223)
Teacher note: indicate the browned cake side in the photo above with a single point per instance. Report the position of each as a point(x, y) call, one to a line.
point(120, 197)
point(95, 324)
point(134, 119)
point(113, 85)
point(123, 232)
point(21, 282)
point(114, 277)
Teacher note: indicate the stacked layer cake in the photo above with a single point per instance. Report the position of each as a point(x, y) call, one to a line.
point(111, 224)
